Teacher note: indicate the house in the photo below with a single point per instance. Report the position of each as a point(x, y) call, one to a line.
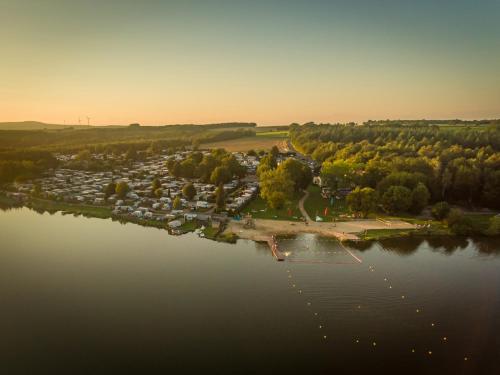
point(175, 224)
point(190, 216)
point(202, 204)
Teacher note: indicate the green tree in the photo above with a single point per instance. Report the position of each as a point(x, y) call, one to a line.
point(362, 201)
point(440, 210)
point(110, 189)
point(189, 191)
point(220, 175)
point(300, 173)
point(396, 199)
point(459, 223)
point(454, 216)
point(187, 168)
point(156, 184)
point(337, 173)
point(220, 199)
point(277, 199)
point(494, 226)
point(177, 204)
point(37, 190)
point(158, 193)
point(275, 152)
point(84, 155)
point(122, 189)
point(276, 187)
point(266, 163)
point(419, 198)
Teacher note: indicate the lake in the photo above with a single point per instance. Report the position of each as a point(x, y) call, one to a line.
point(96, 296)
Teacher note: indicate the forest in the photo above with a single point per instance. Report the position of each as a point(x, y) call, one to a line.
point(407, 165)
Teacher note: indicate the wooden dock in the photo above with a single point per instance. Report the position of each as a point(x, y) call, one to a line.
point(273, 245)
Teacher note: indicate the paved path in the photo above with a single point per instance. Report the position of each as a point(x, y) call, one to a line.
point(301, 206)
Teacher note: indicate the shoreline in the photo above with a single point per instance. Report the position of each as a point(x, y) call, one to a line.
point(357, 230)
point(341, 230)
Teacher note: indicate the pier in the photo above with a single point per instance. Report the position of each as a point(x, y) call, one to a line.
point(273, 245)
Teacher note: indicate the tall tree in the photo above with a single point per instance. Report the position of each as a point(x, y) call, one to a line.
point(189, 191)
point(220, 199)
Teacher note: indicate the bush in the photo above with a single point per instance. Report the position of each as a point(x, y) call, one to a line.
point(454, 216)
point(458, 223)
point(440, 210)
point(494, 227)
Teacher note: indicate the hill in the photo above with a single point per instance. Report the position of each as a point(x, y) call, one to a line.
point(36, 125)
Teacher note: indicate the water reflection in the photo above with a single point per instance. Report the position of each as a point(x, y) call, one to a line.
point(130, 296)
point(446, 245)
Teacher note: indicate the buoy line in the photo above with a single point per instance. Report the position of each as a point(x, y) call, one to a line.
point(350, 252)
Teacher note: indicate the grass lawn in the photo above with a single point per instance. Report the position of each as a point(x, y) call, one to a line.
point(259, 210)
point(210, 232)
point(377, 234)
point(279, 134)
point(315, 204)
point(257, 143)
point(189, 226)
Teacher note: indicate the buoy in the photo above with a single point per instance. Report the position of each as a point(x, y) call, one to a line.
point(429, 352)
point(374, 343)
point(465, 358)
point(324, 337)
point(445, 338)
point(403, 297)
point(357, 341)
point(413, 350)
point(432, 324)
point(418, 310)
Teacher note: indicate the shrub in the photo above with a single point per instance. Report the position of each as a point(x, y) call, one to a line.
point(440, 210)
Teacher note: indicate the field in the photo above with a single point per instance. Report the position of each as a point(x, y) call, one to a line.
point(262, 141)
point(259, 210)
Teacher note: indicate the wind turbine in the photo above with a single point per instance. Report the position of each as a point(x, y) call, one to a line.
point(88, 120)
point(79, 121)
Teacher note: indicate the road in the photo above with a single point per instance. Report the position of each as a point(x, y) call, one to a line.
point(301, 206)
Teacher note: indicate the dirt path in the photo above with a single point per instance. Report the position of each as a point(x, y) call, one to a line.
point(301, 206)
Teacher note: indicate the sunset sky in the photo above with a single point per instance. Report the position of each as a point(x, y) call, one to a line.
point(270, 62)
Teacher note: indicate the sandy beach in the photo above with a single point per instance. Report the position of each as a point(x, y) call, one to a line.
point(344, 230)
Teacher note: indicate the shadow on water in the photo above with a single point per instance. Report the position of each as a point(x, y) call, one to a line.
point(446, 245)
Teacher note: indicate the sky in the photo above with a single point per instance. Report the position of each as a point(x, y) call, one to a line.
point(266, 61)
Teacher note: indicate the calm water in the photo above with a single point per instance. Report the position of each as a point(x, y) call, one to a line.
point(96, 296)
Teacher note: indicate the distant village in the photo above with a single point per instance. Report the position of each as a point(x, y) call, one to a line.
point(139, 204)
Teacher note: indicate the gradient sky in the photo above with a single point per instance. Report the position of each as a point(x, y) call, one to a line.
point(270, 62)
